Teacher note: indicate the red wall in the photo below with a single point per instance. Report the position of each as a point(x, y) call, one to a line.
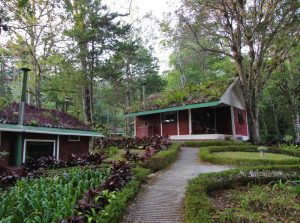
point(148, 125)
point(76, 147)
point(240, 128)
point(169, 128)
point(183, 122)
point(66, 147)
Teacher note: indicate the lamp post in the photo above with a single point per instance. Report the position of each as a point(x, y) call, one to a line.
point(18, 156)
point(66, 104)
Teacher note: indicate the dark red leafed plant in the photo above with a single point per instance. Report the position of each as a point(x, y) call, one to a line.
point(157, 142)
point(93, 200)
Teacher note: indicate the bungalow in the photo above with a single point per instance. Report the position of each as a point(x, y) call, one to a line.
point(44, 133)
point(212, 110)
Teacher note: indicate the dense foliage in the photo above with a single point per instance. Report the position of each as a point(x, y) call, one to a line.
point(156, 142)
point(32, 169)
point(48, 199)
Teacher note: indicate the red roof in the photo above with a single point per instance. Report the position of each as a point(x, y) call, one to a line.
point(41, 117)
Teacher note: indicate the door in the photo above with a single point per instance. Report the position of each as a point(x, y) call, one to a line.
point(36, 149)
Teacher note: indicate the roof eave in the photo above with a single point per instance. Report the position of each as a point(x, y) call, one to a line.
point(45, 130)
point(176, 108)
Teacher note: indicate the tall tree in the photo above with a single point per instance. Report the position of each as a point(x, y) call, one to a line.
point(34, 27)
point(95, 31)
point(256, 35)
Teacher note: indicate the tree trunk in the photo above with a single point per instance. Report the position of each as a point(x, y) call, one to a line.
point(86, 87)
point(252, 115)
point(296, 123)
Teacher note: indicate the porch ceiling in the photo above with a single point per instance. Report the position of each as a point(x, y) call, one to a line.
point(176, 108)
point(45, 130)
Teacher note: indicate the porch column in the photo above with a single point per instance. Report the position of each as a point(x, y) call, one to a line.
point(135, 126)
point(190, 121)
point(161, 126)
point(232, 121)
point(178, 122)
point(57, 148)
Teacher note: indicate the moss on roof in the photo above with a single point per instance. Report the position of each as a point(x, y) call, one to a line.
point(192, 94)
point(41, 117)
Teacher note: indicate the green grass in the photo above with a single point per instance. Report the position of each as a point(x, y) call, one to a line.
point(254, 156)
point(225, 155)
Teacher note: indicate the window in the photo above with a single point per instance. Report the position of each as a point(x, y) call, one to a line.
point(169, 117)
point(240, 117)
point(74, 138)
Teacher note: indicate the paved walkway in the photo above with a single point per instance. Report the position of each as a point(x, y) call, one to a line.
point(160, 201)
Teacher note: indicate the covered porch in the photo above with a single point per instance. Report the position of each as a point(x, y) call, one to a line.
point(208, 122)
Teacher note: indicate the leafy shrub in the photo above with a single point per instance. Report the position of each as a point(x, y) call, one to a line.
point(162, 159)
point(213, 143)
point(48, 199)
point(156, 142)
point(115, 209)
point(73, 160)
point(96, 198)
point(198, 207)
point(4, 154)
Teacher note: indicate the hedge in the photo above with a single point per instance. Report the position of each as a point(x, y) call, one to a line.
point(197, 203)
point(213, 143)
point(163, 158)
point(113, 212)
point(207, 154)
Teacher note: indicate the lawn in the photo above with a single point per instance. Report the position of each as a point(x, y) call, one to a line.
point(254, 156)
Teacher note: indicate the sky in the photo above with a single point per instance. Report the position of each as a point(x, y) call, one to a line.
point(149, 25)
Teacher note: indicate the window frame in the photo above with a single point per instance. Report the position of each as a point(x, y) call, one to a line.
point(172, 120)
point(73, 140)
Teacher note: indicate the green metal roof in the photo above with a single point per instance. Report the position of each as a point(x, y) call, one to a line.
point(177, 108)
point(45, 130)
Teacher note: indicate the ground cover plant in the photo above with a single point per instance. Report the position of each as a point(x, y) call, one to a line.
point(34, 169)
point(198, 203)
point(48, 199)
point(275, 202)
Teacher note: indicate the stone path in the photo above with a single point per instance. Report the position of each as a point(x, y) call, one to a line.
point(160, 201)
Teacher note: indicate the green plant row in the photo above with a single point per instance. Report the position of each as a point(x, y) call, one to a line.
point(116, 208)
point(213, 143)
point(207, 154)
point(197, 203)
point(163, 158)
point(48, 199)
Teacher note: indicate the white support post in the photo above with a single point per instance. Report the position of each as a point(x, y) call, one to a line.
point(135, 126)
point(57, 148)
point(232, 122)
point(161, 126)
point(177, 122)
point(190, 121)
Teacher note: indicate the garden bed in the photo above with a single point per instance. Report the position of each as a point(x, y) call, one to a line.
point(198, 204)
point(275, 202)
